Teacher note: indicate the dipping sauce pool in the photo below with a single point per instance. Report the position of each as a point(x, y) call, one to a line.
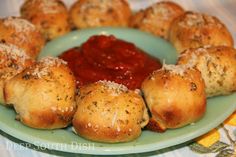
point(108, 58)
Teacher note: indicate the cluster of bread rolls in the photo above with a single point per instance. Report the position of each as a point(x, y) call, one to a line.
point(176, 94)
point(53, 19)
point(191, 33)
point(43, 93)
point(165, 19)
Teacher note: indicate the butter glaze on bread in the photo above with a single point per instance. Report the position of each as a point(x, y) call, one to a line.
point(109, 112)
point(217, 66)
point(23, 34)
point(157, 18)
point(193, 30)
point(49, 16)
point(175, 96)
point(43, 95)
point(97, 13)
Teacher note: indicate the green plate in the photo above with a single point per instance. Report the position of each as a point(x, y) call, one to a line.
point(218, 108)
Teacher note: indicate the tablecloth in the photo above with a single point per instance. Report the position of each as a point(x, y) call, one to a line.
point(219, 142)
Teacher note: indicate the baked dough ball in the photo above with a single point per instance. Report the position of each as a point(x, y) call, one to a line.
point(50, 16)
point(13, 60)
point(23, 34)
point(193, 30)
point(96, 13)
point(157, 18)
point(175, 96)
point(109, 112)
point(43, 95)
point(217, 66)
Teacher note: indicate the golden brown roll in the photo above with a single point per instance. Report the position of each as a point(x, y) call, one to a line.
point(96, 13)
point(23, 34)
point(43, 95)
point(217, 66)
point(175, 96)
point(157, 18)
point(193, 30)
point(50, 16)
point(13, 60)
point(109, 112)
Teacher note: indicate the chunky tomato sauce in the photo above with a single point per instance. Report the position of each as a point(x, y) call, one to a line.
point(108, 58)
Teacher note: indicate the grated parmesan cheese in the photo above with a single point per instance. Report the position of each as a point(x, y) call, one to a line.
point(179, 69)
point(199, 20)
point(163, 10)
point(60, 109)
point(115, 88)
point(201, 51)
point(114, 119)
point(11, 51)
point(12, 60)
point(118, 128)
point(52, 61)
point(176, 69)
point(42, 68)
point(46, 6)
point(208, 58)
point(89, 124)
point(138, 91)
point(160, 12)
point(20, 25)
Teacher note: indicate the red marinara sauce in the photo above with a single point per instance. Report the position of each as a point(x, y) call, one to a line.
point(108, 58)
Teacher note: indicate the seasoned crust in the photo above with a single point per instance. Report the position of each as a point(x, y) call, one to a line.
point(96, 13)
point(23, 34)
point(43, 95)
point(175, 96)
point(157, 18)
point(109, 112)
point(193, 30)
point(13, 61)
point(217, 66)
point(49, 16)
